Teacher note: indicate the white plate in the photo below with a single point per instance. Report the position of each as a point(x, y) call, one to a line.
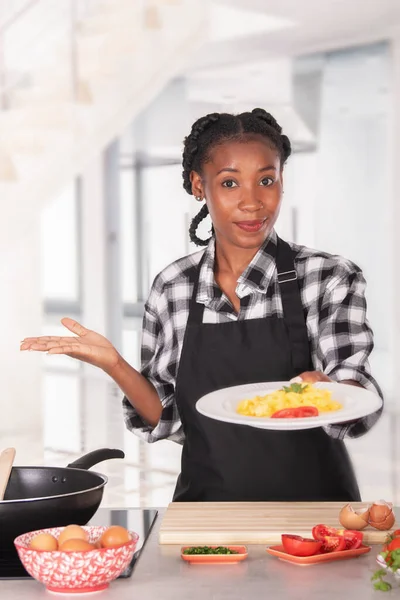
point(221, 405)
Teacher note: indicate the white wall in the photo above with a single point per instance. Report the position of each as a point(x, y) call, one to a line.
point(168, 209)
point(353, 205)
point(21, 411)
point(299, 184)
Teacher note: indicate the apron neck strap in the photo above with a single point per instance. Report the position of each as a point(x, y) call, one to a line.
point(196, 309)
point(292, 307)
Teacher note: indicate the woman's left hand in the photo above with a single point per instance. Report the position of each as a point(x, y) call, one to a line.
point(313, 377)
point(310, 377)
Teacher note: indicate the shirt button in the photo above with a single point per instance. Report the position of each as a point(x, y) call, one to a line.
point(262, 288)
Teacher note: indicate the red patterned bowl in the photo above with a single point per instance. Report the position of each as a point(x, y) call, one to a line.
point(75, 572)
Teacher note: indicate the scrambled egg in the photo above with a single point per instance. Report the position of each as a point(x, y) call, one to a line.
point(289, 397)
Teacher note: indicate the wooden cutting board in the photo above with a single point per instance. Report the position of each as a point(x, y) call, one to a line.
point(206, 523)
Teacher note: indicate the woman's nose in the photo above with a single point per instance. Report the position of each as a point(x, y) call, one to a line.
point(250, 203)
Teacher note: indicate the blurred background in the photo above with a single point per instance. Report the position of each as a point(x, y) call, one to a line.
point(96, 97)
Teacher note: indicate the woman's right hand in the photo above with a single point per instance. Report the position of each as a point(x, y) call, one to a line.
point(85, 345)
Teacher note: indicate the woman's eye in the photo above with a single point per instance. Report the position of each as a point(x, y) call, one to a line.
point(266, 181)
point(229, 183)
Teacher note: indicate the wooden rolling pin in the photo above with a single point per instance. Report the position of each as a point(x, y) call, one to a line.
point(6, 462)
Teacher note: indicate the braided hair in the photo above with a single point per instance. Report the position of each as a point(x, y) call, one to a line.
point(217, 128)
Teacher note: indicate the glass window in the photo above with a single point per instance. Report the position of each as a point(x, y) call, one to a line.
point(60, 247)
point(128, 236)
point(166, 205)
point(62, 412)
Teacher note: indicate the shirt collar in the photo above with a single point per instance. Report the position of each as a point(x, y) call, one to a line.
point(208, 291)
point(259, 273)
point(255, 278)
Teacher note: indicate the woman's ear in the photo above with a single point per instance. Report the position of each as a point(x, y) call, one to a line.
point(197, 185)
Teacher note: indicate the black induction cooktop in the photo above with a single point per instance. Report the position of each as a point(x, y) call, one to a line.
point(135, 519)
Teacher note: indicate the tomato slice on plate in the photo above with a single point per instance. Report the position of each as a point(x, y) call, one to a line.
point(307, 411)
point(285, 413)
point(333, 543)
point(299, 546)
point(296, 413)
point(335, 540)
point(352, 538)
point(320, 532)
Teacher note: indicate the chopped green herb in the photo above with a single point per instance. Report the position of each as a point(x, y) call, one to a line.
point(296, 388)
point(209, 550)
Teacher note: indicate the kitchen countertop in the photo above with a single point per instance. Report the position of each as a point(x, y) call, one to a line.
point(160, 574)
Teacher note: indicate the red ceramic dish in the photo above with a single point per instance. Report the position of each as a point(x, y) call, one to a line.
point(215, 559)
point(75, 572)
point(279, 552)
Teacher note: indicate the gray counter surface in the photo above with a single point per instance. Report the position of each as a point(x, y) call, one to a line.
point(160, 574)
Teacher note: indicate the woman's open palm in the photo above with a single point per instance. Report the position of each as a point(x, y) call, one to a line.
point(85, 345)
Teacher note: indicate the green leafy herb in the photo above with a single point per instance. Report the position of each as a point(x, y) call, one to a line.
point(383, 586)
point(378, 574)
point(296, 388)
point(209, 550)
point(380, 584)
point(384, 554)
point(395, 564)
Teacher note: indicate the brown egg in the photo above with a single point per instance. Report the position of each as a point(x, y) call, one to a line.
point(44, 541)
point(354, 519)
point(115, 536)
point(381, 515)
point(77, 545)
point(74, 532)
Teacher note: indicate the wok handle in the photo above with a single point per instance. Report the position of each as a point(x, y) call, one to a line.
point(97, 456)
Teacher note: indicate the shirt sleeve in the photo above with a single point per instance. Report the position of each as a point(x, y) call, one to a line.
point(155, 369)
point(345, 343)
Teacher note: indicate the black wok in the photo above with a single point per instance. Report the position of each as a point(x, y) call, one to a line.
point(40, 497)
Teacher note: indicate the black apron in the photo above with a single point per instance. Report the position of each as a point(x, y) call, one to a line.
point(226, 462)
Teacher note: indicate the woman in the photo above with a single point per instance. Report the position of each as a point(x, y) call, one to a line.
point(250, 308)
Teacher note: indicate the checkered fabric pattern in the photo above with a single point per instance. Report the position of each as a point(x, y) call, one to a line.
point(332, 291)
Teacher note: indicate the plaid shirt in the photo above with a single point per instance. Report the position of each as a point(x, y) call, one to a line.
point(332, 291)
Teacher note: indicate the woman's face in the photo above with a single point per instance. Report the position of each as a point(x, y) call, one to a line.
point(242, 185)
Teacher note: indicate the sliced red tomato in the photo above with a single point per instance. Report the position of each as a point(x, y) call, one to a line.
point(307, 411)
point(285, 413)
point(299, 546)
point(333, 543)
point(319, 532)
point(353, 538)
point(392, 541)
point(394, 544)
point(296, 413)
point(392, 536)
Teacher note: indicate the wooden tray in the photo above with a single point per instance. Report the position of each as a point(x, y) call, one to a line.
point(224, 523)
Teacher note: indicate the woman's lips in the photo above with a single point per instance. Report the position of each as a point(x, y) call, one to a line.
point(251, 226)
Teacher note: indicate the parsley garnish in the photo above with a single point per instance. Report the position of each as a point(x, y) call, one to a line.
point(296, 388)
